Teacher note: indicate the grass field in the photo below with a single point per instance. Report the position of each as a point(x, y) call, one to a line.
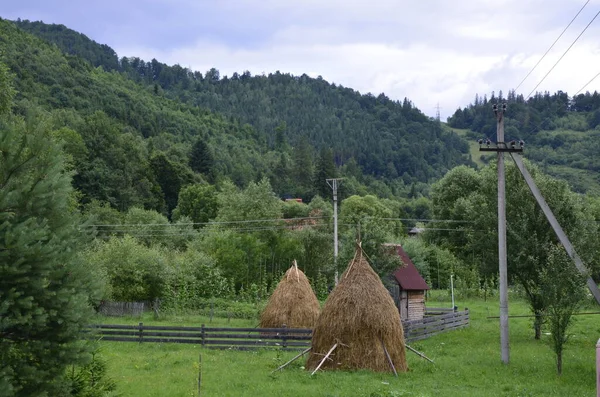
point(467, 363)
point(474, 148)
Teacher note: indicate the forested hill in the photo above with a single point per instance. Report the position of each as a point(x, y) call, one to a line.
point(561, 132)
point(129, 147)
point(387, 139)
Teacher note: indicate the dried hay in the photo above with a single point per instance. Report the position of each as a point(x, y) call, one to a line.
point(359, 315)
point(293, 303)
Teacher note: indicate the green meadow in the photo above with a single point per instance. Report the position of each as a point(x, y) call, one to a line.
point(466, 363)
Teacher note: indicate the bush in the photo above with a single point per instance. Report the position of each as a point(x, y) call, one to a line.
point(135, 272)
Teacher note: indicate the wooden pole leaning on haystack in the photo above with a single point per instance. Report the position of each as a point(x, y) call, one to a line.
point(292, 303)
point(324, 358)
point(418, 353)
point(387, 355)
point(292, 360)
point(361, 317)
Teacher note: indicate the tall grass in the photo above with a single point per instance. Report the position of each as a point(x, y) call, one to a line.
point(467, 363)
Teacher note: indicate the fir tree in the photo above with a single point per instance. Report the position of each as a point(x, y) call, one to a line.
point(43, 290)
point(201, 159)
point(325, 170)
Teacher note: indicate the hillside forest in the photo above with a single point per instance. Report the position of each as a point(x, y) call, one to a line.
point(130, 180)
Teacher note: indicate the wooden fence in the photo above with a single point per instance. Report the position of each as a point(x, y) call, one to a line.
point(216, 338)
point(435, 324)
point(252, 338)
point(120, 309)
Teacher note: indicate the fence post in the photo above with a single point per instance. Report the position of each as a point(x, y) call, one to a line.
point(284, 337)
point(203, 335)
point(140, 332)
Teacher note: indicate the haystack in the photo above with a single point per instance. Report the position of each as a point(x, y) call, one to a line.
point(293, 303)
point(361, 320)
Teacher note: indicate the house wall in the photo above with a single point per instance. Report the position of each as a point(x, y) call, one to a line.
point(403, 305)
point(415, 305)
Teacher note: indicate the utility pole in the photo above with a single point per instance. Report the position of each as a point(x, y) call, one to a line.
point(500, 148)
point(333, 184)
point(504, 345)
point(437, 112)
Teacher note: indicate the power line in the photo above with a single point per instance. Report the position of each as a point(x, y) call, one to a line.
point(130, 226)
point(562, 56)
point(211, 222)
point(555, 41)
point(588, 83)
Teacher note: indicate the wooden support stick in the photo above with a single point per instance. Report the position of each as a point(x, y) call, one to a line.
point(324, 358)
point(199, 374)
point(419, 353)
point(296, 267)
point(292, 360)
point(388, 357)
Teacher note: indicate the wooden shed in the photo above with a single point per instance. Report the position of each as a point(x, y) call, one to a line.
point(408, 288)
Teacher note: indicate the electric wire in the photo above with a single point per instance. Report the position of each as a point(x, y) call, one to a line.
point(212, 222)
point(550, 48)
point(586, 84)
point(563, 55)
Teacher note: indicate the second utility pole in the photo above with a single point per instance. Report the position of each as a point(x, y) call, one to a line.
point(502, 265)
point(333, 184)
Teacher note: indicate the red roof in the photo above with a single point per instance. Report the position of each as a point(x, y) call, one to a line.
point(408, 276)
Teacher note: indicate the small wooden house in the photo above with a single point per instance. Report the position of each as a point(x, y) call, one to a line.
point(408, 288)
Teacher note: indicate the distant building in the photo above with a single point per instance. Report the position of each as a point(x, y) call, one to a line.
point(408, 287)
point(415, 231)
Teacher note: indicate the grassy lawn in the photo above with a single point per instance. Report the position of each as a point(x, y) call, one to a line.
point(467, 363)
point(473, 148)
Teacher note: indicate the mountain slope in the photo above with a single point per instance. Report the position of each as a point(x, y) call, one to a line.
point(387, 139)
point(561, 132)
point(122, 126)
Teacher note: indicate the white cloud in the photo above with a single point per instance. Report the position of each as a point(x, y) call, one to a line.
point(431, 52)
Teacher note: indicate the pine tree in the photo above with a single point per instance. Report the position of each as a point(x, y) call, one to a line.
point(303, 167)
point(43, 290)
point(325, 170)
point(202, 160)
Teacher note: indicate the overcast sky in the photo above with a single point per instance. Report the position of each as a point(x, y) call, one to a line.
point(431, 51)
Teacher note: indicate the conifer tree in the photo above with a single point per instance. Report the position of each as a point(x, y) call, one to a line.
point(201, 159)
point(44, 298)
point(325, 170)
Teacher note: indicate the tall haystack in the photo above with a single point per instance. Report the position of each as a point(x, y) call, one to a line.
point(293, 303)
point(361, 318)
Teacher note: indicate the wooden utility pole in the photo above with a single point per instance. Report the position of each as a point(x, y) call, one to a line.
point(333, 184)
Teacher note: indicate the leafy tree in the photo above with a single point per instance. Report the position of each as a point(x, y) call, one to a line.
point(469, 200)
point(135, 272)
point(7, 92)
point(171, 177)
point(194, 276)
point(256, 202)
point(198, 202)
point(563, 294)
point(43, 289)
point(372, 219)
point(152, 229)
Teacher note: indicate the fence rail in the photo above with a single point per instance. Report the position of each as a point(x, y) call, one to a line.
point(253, 338)
point(211, 337)
point(432, 325)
